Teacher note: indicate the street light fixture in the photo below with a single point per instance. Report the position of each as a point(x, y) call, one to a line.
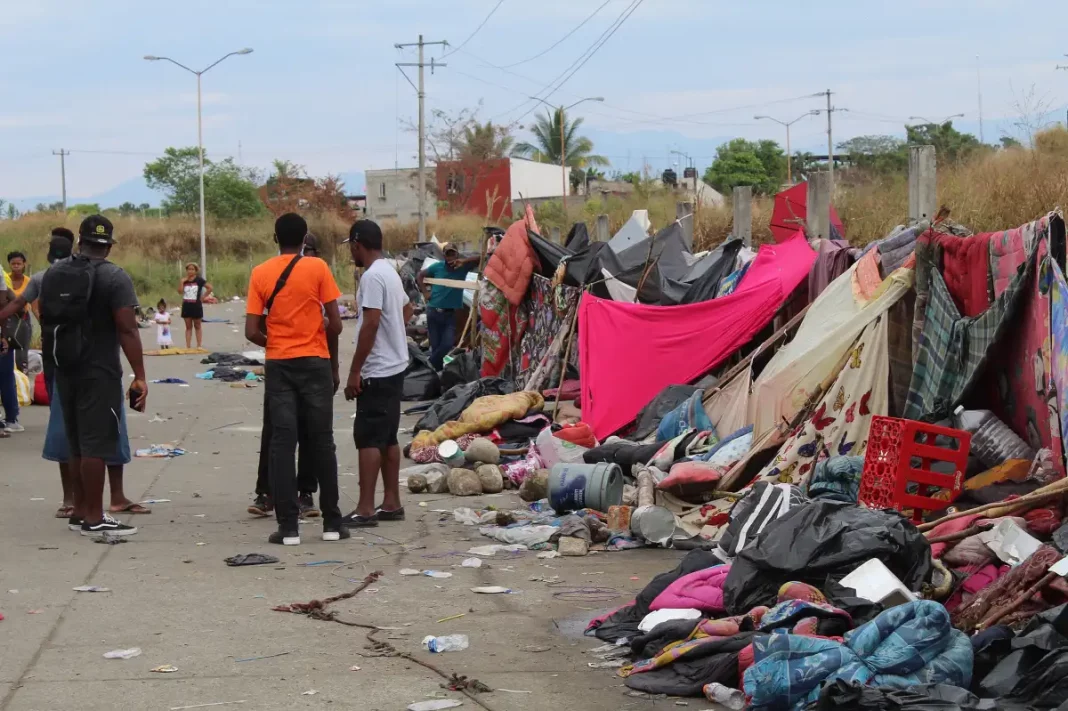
point(787, 124)
point(563, 147)
point(200, 142)
point(943, 122)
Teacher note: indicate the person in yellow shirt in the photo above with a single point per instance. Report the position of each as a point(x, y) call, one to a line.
point(18, 281)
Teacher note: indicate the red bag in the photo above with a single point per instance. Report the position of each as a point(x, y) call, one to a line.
point(40, 391)
point(579, 433)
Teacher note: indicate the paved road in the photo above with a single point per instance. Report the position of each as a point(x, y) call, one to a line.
point(173, 597)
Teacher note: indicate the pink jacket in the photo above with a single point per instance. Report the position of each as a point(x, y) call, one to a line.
point(701, 590)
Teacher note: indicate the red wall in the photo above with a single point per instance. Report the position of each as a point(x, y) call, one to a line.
point(480, 179)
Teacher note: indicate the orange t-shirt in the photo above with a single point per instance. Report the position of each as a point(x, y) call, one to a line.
point(295, 324)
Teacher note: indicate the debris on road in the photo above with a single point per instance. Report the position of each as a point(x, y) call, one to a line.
point(491, 590)
point(123, 653)
point(164, 669)
point(435, 705)
point(448, 643)
point(91, 588)
point(250, 559)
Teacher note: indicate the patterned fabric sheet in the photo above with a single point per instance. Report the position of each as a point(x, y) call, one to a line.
point(840, 424)
point(501, 329)
point(549, 310)
point(1059, 356)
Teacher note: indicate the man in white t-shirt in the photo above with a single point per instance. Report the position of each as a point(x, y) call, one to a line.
point(376, 377)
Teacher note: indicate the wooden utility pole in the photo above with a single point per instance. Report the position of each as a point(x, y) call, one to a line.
point(421, 93)
point(63, 172)
point(923, 190)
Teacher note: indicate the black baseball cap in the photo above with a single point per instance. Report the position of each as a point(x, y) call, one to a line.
point(98, 229)
point(59, 247)
point(367, 233)
point(311, 242)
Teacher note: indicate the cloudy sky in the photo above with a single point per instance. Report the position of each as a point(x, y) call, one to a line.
point(321, 88)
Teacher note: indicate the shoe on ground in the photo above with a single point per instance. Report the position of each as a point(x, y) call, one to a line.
point(336, 533)
point(74, 523)
point(307, 506)
point(14, 427)
point(355, 520)
point(284, 538)
point(107, 526)
point(262, 506)
point(394, 515)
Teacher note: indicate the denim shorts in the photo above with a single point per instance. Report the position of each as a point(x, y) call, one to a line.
point(56, 447)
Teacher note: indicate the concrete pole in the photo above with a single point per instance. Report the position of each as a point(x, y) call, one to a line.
point(200, 158)
point(601, 233)
point(819, 205)
point(684, 214)
point(63, 153)
point(743, 214)
point(923, 184)
point(421, 185)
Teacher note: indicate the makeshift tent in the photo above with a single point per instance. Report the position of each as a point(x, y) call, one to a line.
point(629, 352)
point(634, 231)
point(791, 210)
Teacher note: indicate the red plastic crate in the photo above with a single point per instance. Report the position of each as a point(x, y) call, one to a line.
point(888, 471)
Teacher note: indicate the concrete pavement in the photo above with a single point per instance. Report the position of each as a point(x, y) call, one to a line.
point(172, 595)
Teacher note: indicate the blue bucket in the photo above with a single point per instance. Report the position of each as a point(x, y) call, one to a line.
point(585, 486)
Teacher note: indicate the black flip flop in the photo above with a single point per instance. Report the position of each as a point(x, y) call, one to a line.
point(394, 515)
point(355, 520)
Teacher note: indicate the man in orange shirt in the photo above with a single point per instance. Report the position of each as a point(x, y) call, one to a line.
point(301, 371)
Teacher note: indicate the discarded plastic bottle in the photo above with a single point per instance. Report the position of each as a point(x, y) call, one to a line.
point(448, 643)
point(992, 440)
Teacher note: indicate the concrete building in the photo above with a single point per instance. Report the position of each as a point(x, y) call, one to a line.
point(493, 188)
point(392, 195)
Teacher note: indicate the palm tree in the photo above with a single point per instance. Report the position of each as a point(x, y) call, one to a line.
point(486, 141)
point(546, 146)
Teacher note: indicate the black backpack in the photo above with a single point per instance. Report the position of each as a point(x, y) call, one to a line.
point(66, 324)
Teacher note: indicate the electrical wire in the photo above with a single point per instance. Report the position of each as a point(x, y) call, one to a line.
point(472, 35)
point(560, 41)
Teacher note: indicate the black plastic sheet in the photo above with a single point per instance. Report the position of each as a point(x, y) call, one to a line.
point(843, 696)
point(464, 368)
point(667, 400)
point(450, 405)
point(821, 541)
point(420, 380)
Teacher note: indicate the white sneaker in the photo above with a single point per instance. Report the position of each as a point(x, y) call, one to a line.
point(14, 427)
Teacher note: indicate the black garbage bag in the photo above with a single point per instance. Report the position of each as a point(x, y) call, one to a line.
point(754, 512)
point(457, 398)
point(667, 400)
point(820, 541)
point(420, 380)
point(464, 368)
point(1036, 671)
point(843, 696)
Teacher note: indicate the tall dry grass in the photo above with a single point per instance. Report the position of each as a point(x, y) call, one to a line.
point(994, 191)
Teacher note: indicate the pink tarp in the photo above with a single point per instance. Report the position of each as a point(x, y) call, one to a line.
point(629, 352)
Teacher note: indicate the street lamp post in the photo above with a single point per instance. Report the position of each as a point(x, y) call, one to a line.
point(943, 122)
point(563, 146)
point(788, 124)
point(200, 142)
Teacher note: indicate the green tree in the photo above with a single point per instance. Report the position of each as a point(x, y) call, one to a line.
point(950, 144)
point(229, 190)
point(546, 148)
point(1008, 142)
point(85, 208)
point(740, 162)
point(12, 211)
point(485, 141)
point(878, 154)
point(127, 208)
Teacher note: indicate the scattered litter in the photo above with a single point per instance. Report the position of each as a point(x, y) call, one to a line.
point(354, 668)
point(546, 555)
point(201, 543)
point(491, 590)
point(448, 643)
point(123, 653)
point(160, 451)
point(48, 548)
point(34, 612)
point(610, 664)
point(199, 515)
point(309, 692)
point(156, 501)
point(204, 706)
point(494, 549)
point(250, 559)
point(452, 617)
point(436, 574)
point(110, 540)
point(435, 705)
point(534, 649)
point(13, 592)
point(410, 571)
point(37, 498)
point(313, 563)
point(514, 691)
point(423, 504)
point(256, 659)
point(197, 495)
point(472, 563)
point(157, 418)
point(169, 381)
point(164, 669)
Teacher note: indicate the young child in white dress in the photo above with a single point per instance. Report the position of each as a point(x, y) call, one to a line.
point(163, 326)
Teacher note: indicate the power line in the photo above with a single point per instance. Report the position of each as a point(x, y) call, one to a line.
point(472, 35)
point(559, 41)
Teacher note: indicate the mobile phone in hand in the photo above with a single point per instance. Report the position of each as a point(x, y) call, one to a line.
point(135, 395)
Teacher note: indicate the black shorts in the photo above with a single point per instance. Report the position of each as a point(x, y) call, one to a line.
point(91, 410)
point(191, 310)
point(378, 409)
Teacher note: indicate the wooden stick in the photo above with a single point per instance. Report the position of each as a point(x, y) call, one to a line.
point(564, 362)
point(1049, 491)
point(1001, 613)
point(961, 535)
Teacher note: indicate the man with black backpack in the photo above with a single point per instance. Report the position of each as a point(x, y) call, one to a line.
point(87, 314)
point(302, 373)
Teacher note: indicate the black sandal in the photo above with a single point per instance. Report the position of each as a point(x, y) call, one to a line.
point(355, 520)
point(394, 515)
